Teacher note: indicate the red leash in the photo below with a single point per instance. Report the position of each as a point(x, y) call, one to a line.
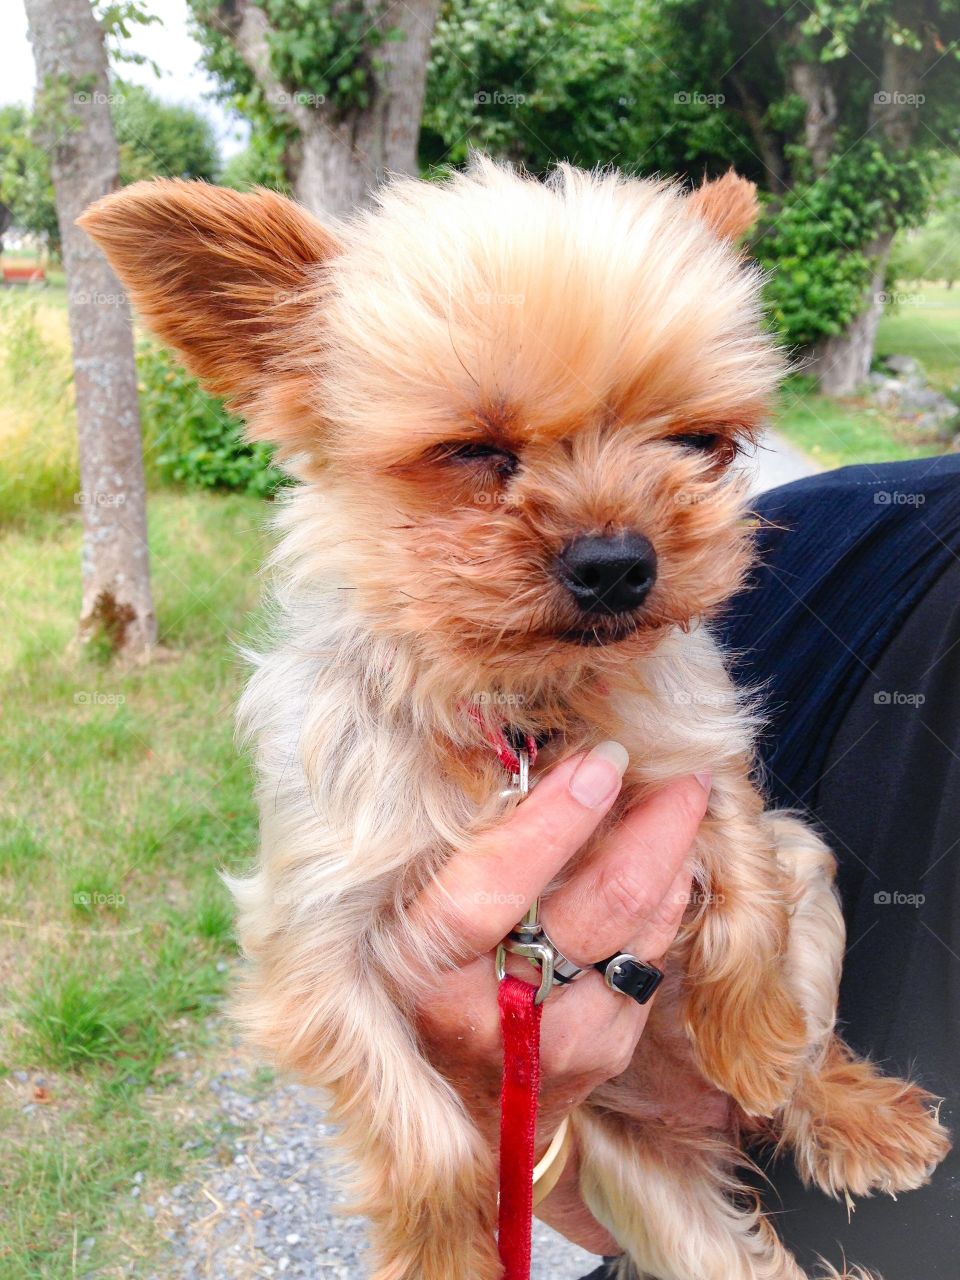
point(520, 1009)
point(520, 1029)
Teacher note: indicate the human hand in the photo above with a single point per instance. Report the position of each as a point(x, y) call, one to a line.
point(629, 896)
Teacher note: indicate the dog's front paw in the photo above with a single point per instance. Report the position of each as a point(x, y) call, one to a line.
point(885, 1136)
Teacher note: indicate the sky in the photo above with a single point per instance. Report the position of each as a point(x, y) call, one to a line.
point(171, 46)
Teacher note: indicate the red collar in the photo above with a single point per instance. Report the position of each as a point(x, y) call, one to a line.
point(502, 737)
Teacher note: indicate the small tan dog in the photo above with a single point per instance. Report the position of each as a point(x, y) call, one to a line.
point(512, 409)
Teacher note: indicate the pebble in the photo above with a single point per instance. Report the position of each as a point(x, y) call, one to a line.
point(280, 1209)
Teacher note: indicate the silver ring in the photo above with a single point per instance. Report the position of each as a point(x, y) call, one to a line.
point(630, 976)
point(564, 970)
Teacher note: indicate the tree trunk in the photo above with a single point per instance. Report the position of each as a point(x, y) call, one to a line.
point(812, 82)
point(767, 143)
point(340, 158)
point(841, 363)
point(73, 97)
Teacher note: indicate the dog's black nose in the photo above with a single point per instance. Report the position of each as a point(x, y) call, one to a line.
point(608, 574)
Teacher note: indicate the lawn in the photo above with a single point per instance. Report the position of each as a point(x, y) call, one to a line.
point(926, 325)
point(123, 796)
point(838, 432)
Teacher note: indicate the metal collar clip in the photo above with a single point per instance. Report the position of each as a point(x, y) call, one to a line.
point(526, 939)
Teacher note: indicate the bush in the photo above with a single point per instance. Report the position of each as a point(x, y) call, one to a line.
point(38, 435)
point(189, 438)
point(815, 241)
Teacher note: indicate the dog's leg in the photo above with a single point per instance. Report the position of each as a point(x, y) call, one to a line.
point(669, 1200)
point(421, 1172)
point(422, 1176)
point(851, 1129)
point(855, 1131)
point(746, 1025)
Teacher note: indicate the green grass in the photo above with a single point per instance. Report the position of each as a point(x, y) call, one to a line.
point(836, 433)
point(926, 325)
point(37, 424)
point(75, 1185)
point(123, 797)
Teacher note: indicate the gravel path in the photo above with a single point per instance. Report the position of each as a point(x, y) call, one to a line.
point(266, 1205)
point(777, 462)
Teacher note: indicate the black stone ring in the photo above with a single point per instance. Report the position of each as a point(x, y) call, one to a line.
point(630, 976)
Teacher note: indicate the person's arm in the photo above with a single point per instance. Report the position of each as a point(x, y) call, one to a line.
point(630, 896)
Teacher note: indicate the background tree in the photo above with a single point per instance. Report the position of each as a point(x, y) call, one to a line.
point(156, 139)
point(161, 139)
point(73, 97)
point(338, 88)
point(259, 164)
point(535, 83)
point(840, 109)
point(539, 83)
point(26, 189)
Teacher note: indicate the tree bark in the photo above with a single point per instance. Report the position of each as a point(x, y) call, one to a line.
point(842, 363)
point(767, 143)
point(340, 158)
point(6, 218)
point(74, 101)
point(811, 81)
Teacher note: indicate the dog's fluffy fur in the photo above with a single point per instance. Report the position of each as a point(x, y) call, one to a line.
point(587, 326)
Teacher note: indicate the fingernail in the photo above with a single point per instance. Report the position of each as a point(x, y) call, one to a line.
point(598, 775)
point(705, 780)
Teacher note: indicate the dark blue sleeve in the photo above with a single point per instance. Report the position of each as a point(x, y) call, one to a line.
point(843, 558)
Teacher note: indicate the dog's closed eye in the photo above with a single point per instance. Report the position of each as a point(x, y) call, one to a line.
point(501, 461)
point(721, 447)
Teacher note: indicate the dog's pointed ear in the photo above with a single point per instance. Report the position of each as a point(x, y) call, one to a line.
point(228, 280)
point(728, 205)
